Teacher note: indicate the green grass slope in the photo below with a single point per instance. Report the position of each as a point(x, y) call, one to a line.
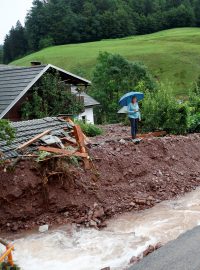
point(173, 56)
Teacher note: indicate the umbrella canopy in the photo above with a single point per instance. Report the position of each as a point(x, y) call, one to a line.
point(126, 99)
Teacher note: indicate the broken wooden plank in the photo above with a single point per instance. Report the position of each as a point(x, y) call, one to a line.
point(34, 139)
point(63, 152)
point(81, 142)
point(152, 134)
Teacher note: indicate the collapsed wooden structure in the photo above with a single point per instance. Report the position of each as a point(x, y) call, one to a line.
point(57, 136)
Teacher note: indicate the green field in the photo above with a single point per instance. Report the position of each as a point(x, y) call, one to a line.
point(173, 56)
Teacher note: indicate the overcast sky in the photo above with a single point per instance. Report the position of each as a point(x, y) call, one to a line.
point(10, 12)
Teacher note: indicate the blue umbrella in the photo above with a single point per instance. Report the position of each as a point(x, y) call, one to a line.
point(126, 99)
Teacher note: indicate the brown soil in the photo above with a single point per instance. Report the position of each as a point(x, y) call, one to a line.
point(125, 177)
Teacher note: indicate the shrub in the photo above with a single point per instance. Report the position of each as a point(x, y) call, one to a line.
point(194, 110)
point(89, 129)
point(50, 97)
point(194, 123)
point(113, 76)
point(6, 131)
point(161, 111)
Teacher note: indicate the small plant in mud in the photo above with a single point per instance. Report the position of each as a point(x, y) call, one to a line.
point(89, 129)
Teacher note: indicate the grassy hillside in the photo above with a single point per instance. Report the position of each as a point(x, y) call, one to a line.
point(173, 56)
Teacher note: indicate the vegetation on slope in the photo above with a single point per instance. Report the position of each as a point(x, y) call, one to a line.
point(57, 22)
point(172, 56)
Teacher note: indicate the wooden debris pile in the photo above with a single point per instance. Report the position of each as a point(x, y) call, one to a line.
point(46, 145)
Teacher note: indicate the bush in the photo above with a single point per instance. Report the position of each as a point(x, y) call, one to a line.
point(194, 123)
point(88, 129)
point(161, 111)
point(113, 76)
point(7, 133)
point(194, 110)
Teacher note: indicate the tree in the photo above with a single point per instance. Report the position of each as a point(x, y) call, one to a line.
point(50, 97)
point(56, 22)
point(6, 131)
point(114, 76)
point(15, 44)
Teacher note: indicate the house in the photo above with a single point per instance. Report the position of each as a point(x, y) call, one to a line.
point(17, 82)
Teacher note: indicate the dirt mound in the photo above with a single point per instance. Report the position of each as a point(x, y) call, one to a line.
point(125, 177)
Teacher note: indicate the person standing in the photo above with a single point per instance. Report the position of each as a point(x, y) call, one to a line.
point(134, 116)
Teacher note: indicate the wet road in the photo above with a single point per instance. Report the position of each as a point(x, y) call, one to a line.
point(180, 254)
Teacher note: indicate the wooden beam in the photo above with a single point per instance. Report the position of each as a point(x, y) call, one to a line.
point(62, 152)
point(34, 139)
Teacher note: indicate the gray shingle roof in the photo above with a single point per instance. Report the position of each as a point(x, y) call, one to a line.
point(13, 81)
point(26, 130)
point(88, 100)
point(16, 81)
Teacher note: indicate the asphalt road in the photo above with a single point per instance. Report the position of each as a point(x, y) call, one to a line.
point(180, 254)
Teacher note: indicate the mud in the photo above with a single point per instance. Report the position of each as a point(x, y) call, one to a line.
point(125, 177)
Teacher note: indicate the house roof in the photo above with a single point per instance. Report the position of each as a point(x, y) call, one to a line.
point(88, 100)
point(26, 130)
point(16, 81)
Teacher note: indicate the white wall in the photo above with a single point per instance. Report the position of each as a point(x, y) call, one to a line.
point(88, 115)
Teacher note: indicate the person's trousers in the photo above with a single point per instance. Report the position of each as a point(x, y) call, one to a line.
point(134, 126)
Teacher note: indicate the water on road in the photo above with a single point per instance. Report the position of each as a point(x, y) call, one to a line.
point(126, 236)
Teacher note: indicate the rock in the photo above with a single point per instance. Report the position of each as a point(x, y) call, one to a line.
point(102, 225)
point(66, 214)
point(15, 228)
point(93, 223)
point(98, 212)
point(134, 260)
point(80, 220)
point(132, 204)
point(158, 245)
point(43, 228)
point(106, 268)
point(122, 141)
point(149, 250)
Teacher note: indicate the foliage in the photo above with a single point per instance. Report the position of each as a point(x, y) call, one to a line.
point(157, 51)
point(114, 76)
point(46, 42)
point(71, 21)
point(89, 129)
point(15, 43)
point(161, 111)
point(194, 108)
point(7, 133)
point(50, 97)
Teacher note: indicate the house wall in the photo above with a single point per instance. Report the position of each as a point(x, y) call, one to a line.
point(87, 115)
point(15, 113)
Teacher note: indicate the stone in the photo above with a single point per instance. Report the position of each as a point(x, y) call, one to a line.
point(158, 245)
point(122, 141)
point(98, 212)
point(106, 268)
point(92, 223)
point(44, 228)
point(149, 250)
point(66, 214)
point(134, 260)
point(132, 204)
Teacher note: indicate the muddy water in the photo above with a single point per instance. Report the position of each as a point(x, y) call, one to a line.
point(125, 236)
